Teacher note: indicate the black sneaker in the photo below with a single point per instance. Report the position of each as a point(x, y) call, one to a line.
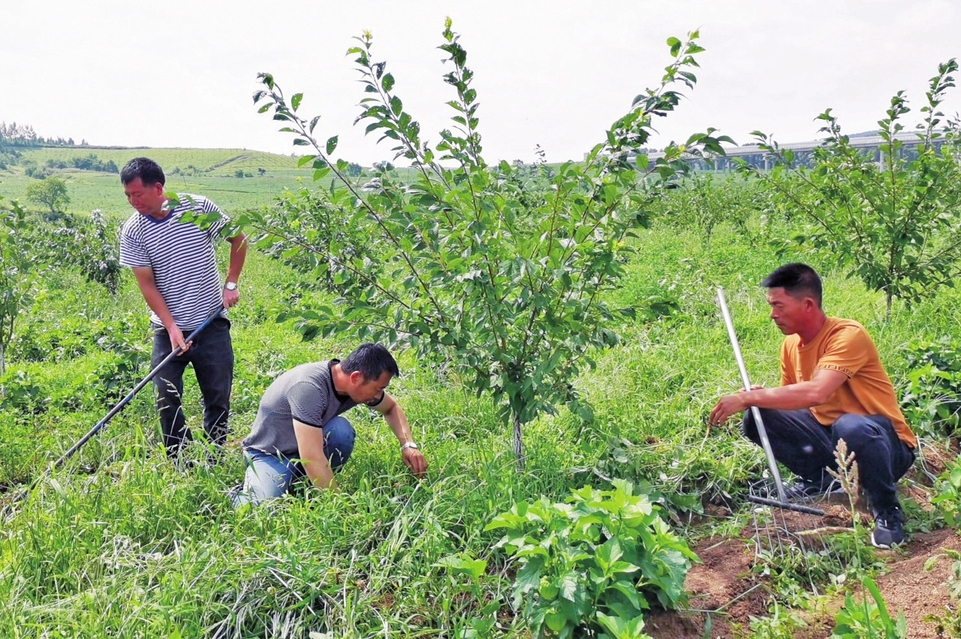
point(888, 528)
point(806, 489)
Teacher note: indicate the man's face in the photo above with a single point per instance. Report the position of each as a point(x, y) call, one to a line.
point(146, 199)
point(786, 311)
point(364, 391)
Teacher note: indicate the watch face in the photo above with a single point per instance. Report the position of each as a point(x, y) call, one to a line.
point(231, 286)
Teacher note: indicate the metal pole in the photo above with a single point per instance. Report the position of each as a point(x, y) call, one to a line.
point(116, 409)
point(126, 400)
point(762, 433)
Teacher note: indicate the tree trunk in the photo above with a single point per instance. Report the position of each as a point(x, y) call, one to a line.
point(518, 442)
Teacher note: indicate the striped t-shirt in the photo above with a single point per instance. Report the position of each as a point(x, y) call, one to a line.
point(181, 255)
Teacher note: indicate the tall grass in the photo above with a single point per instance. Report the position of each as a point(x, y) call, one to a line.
point(120, 543)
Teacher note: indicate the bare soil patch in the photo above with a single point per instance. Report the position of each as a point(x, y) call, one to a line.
point(727, 593)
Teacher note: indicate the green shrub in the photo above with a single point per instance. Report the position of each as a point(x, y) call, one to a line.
point(931, 396)
point(593, 562)
point(948, 497)
point(488, 270)
point(891, 219)
point(868, 618)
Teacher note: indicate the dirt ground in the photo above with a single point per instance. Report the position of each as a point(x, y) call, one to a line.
point(725, 584)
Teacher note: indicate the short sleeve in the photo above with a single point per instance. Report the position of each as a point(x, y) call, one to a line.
point(132, 252)
point(787, 365)
point(307, 404)
point(376, 402)
point(846, 351)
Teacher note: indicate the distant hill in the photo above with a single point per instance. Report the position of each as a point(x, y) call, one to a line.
point(199, 162)
point(236, 179)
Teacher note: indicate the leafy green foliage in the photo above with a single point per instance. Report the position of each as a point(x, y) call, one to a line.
point(125, 545)
point(482, 622)
point(50, 192)
point(89, 162)
point(318, 237)
point(20, 394)
point(15, 274)
point(894, 220)
point(704, 201)
point(949, 623)
point(868, 618)
point(782, 624)
point(931, 397)
point(948, 497)
point(865, 619)
point(498, 275)
point(593, 562)
point(92, 243)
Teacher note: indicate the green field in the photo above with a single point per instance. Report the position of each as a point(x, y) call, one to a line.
point(216, 161)
point(210, 172)
point(122, 543)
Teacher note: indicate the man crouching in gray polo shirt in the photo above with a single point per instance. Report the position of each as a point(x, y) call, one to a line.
point(299, 432)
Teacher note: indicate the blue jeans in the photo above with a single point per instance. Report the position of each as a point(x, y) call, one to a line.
point(270, 476)
point(806, 447)
point(212, 357)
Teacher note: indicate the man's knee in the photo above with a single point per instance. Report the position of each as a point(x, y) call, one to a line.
point(749, 425)
point(339, 438)
point(855, 430)
point(849, 422)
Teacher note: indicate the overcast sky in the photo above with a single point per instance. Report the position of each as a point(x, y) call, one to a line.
point(554, 73)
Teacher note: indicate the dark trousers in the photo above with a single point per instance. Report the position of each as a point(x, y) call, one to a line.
point(212, 357)
point(806, 448)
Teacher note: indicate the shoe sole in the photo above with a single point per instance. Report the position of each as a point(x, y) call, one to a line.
point(885, 547)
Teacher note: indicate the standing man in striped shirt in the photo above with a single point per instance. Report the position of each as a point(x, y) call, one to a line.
point(176, 269)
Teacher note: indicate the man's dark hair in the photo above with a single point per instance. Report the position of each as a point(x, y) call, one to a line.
point(372, 360)
point(796, 279)
point(146, 169)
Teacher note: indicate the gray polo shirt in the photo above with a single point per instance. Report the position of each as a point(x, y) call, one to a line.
point(305, 393)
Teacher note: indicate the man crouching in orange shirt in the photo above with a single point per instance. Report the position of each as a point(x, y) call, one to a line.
point(833, 387)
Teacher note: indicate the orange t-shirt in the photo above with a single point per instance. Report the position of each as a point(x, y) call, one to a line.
point(845, 346)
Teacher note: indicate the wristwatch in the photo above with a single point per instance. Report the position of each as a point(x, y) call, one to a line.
point(408, 445)
point(230, 286)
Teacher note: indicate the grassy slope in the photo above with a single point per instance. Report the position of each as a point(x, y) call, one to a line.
point(123, 544)
point(218, 161)
point(214, 176)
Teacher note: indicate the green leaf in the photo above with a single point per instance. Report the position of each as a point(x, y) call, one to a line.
point(555, 621)
point(569, 586)
point(675, 45)
point(331, 144)
point(463, 564)
point(295, 100)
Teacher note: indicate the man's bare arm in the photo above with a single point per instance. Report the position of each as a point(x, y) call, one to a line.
point(157, 303)
point(310, 447)
point(791, 397)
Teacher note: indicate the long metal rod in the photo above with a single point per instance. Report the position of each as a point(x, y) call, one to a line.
point(786, 504)
point(762, 433)
point(113, 411)
point(126, 400)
